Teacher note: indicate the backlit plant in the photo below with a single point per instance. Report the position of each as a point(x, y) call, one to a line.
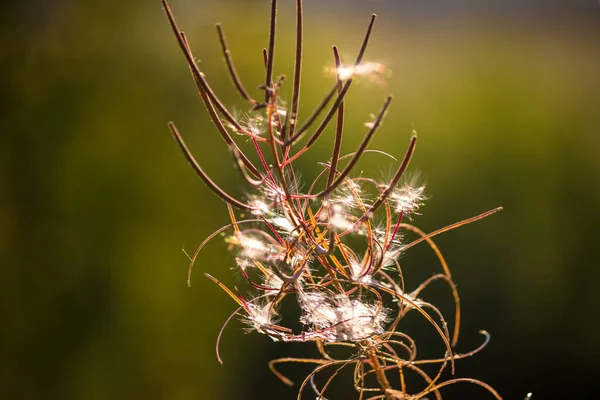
point(296, 244)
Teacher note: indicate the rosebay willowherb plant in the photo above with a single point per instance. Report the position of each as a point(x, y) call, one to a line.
point(334, 248)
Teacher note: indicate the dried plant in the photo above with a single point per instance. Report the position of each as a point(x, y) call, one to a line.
point(293, 244)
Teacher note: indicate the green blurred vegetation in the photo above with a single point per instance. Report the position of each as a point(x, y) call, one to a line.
point(97, 201)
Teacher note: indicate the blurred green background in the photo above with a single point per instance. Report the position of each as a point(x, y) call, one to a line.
point(97, 202)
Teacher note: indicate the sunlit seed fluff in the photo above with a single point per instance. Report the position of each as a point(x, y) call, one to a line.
point(254, 125)
point(337, 218)
point(284, 223)
point(345, 72)
point(382, 235)
point(259, 316)
point(251, 247)
point(273, 282)
point(347, 200)
point(282, 111)
point(243, 263)
point(407, 199)
point(359, 271)
point(340, 318)
point(273, 193)
point(348, 195)
point(253, 129)
point(390, 256)
point(259, 207)
point(387, 249)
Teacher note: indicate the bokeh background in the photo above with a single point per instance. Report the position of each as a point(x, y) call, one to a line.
point(97, 202)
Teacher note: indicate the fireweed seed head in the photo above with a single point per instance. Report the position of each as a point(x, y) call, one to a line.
point(332, 246)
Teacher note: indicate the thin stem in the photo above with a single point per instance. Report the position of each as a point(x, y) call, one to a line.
point(215, 188)
point(293, 117)
point(198, 75)
point(231, 67)
point(208, 96)
point(271, 52)
point(452, 226)
point(337, 145)
point(394, 182)
point(359, 151)
point(313, 116)
point(448, 276)
point(380, 374)
point(239, 163)
point(341, 95)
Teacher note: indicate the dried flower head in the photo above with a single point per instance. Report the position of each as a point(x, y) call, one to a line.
point(302, 244)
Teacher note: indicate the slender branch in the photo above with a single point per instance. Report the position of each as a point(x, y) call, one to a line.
point(394, 182)
point(231, 67)
point(271, 52)
point(337, 144)
point(451, 226)
point(359, 151)
point(215, 188)
point(341, 95)
point(208, 96)
point(293, 117)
